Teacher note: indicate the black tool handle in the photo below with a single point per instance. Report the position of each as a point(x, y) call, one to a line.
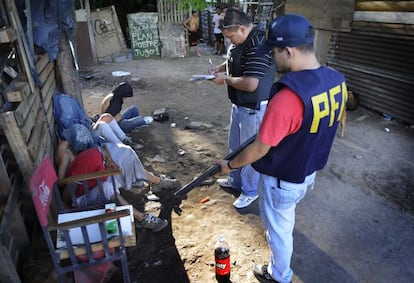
point(214, 169)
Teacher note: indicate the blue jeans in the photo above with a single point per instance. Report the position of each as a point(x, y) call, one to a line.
point(244, 124)
point(277, 210)
point(130, 119)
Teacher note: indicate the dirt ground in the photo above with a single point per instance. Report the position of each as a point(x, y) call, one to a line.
point(357, 225)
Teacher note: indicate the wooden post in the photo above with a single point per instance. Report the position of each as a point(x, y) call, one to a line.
point(17, 144)
point(22, 44)
point(90, 31)
point(8, 272)
point(66, 72)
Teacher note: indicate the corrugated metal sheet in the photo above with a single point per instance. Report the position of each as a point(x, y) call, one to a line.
point(379, 68)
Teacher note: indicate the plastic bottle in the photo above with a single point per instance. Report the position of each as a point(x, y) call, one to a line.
point(111, 226)
point(222, 260)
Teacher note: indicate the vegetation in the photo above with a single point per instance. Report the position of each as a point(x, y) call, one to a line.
point(133, 6)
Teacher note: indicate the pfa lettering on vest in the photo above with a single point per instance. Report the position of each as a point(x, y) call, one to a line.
point(328, 105)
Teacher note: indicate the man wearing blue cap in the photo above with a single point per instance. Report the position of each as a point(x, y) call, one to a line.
point(295, 136)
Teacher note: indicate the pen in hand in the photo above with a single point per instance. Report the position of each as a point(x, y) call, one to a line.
point(211, 66)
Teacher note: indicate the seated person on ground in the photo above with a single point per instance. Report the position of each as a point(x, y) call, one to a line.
point(129, 119)
point(108, 128)
point(133, 175)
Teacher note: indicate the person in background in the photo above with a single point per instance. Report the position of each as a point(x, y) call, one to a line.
point(192, 24)
point(219, 38)
point(226, 42)
point(249, 74)
point(294, 139)
point(129, 119)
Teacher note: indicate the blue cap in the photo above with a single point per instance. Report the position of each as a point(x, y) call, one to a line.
point(289, 30)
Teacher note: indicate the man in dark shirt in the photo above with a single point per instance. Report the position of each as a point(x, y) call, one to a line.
point(249, 74)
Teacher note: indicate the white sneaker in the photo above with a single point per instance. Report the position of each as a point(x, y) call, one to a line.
point(244, 201)
point(225, 183)
point(148, 119)
point(152, 197)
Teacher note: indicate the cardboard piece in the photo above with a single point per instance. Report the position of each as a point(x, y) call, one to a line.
point(127, 225)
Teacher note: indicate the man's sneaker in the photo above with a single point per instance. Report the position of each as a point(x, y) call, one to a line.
point(152, 222)
point(224, 183)
point(244, 201)
point(166, 184)
point(260, 271)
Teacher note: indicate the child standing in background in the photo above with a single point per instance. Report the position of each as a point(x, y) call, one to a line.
point(192, 24)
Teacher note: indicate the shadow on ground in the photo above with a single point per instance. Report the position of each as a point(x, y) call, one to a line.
point(155, 258)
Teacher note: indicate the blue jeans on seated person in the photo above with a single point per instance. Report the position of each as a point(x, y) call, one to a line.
point(130, 119)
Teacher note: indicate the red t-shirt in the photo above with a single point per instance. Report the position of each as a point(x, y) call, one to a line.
point(88, 161)
point(283, 117)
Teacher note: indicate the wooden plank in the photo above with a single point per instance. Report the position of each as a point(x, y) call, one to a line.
point(24, 108)
point(42, 62)
point(48, 96)
point(30, 111)
point(8, 272)
point(43, 146)
point(46, 145)
point(12, 227)
point(7, 35)
point(17, 144)
point(30, 120)
point(38, 134)
point(390, 6)
point(385, 17)
point(46, 148)
point(10, 71)
point(333, 15)
point(48, 88)
point(5, 184)
point(24, 53)
point(384, 28)
point(45, 73)
point(17, 91)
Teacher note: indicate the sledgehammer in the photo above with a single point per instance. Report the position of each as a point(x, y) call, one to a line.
point(214, 169)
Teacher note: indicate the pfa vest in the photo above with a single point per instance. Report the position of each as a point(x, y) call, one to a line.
point(323, 92)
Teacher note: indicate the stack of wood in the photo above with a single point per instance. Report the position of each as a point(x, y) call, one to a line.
point(27, 85)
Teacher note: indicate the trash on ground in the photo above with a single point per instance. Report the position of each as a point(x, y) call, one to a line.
point(198, 125)
point(160, 115)
point(204, 200)
point(158, 158)
point(208, 182)
point(387, 117)
point(120, 73)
